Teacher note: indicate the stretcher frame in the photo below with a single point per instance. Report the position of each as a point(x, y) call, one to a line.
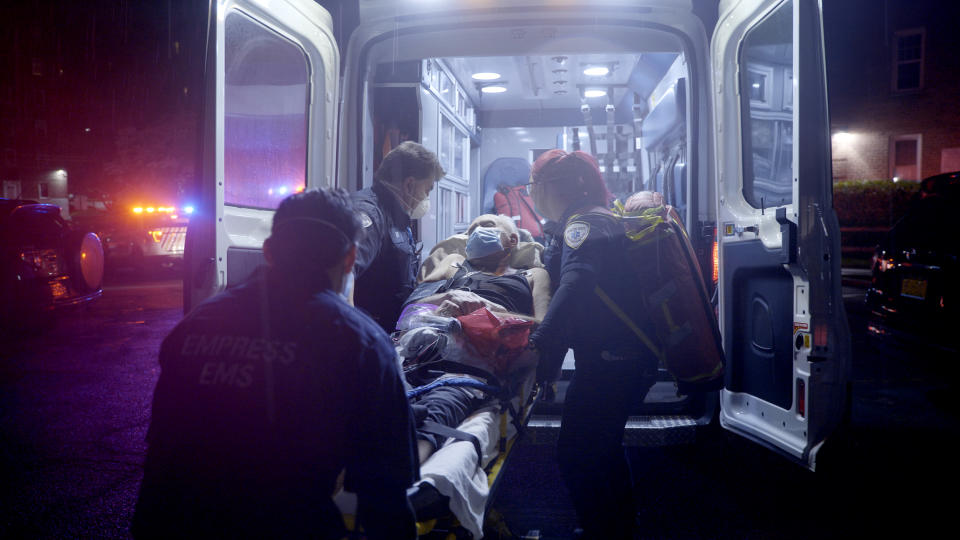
point(448, 525)
point(496, 467)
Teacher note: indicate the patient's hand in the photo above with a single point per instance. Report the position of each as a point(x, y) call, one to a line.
point(456, 303)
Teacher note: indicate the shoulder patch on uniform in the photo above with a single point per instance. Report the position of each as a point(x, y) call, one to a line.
point(365, 220)
point(576, 233)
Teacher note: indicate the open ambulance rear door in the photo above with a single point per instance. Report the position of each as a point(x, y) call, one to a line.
point(268, 131)
point(784, 329)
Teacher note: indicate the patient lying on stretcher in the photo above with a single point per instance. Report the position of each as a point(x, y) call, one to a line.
point(478, 311)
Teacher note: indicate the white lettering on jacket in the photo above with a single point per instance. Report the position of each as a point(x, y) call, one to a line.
point(234, 357)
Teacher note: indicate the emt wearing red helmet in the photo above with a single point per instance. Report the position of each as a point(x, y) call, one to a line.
point(613, 370)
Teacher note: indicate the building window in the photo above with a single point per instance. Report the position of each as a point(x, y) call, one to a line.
point(908, 48)
point(43, 190)
point(950, 159)
point(905, 152)
point(11, 189)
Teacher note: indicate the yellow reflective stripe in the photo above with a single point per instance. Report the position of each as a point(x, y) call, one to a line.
point(423, 527)
point(666, 315)
point(626, 320)
point(716, 371)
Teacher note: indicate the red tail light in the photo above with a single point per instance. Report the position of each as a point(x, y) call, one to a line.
point(716, 257)
point(44, 261)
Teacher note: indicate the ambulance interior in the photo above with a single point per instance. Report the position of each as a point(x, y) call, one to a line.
point(489, 117)
point(626, 109)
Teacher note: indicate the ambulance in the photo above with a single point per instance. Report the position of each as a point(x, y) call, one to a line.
point(720, 107)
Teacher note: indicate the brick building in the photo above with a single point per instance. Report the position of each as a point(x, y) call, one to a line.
point(894, 76)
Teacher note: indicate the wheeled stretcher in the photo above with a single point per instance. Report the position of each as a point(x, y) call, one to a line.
point(458, 480)
point(454, 493)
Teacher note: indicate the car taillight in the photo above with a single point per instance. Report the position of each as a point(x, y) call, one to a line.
point(45, 262)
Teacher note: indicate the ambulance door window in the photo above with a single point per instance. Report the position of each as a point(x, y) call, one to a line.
point(266, 111)
point(767, 55)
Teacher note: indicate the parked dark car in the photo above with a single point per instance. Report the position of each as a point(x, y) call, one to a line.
point(45, 264)
point(915, 281)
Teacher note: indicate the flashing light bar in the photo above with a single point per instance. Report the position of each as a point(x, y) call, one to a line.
point(172, 210)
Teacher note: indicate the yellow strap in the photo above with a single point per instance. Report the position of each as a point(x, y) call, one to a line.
point(627, 321)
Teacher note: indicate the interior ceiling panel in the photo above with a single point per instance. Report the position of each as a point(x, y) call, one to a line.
point(556, 81)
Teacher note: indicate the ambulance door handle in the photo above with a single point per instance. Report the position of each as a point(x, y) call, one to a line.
point(788, 237)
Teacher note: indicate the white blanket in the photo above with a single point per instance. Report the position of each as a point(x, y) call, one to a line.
point(452, 469)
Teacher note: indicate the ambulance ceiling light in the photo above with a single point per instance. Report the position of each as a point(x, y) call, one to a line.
point(486, 76)
point(596, 71)
point(493, 89)
point(594, 92)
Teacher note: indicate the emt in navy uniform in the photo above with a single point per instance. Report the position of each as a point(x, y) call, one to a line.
point(613, 370)
point(388, 259)
point(270, 391)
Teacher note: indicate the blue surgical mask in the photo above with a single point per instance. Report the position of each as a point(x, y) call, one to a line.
point(483, 241)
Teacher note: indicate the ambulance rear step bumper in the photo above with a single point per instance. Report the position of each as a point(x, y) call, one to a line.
point(646, 431)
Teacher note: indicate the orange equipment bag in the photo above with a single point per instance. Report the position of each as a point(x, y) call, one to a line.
point(673, 295)
point(515, 203)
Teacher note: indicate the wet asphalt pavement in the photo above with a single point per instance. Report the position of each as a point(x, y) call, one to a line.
point(74, 408)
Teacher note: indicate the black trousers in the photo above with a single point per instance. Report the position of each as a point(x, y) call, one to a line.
point(590, 448)
point(448, 406)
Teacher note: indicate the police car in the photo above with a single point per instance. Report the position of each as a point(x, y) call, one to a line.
point(721, 109)
point(146, 237)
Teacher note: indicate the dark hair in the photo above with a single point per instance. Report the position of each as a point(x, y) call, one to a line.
point(313, 230)
point(409, 159)
point(575, 175)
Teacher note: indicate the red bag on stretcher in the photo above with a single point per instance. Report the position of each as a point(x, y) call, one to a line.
point(673, 295)
point(497, 339)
